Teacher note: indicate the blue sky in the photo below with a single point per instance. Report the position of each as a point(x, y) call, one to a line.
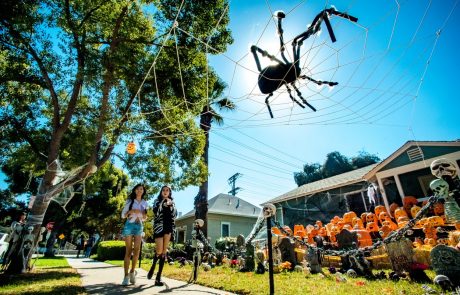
point(396, 83)
point(396, 77)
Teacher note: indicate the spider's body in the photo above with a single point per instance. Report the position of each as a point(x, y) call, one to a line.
point(286, 73)
point(274, 76)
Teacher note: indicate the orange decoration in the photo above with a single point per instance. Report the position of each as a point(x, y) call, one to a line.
point(131, 148)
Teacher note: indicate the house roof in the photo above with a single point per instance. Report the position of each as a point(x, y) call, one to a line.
point(228, 205)
point(404, 149)
point(343, 179)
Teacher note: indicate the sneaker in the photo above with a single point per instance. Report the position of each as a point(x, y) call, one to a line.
point(125, 281)
point(132, 277)
point(159, 283)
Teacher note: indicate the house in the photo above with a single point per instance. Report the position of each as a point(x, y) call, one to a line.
point(406, 172)
point(228, 216)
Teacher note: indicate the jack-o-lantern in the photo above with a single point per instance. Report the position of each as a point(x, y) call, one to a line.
point(388, 222)
point(414, 210)
point(393, 207)
point(421, 223)
point(131, 148)
point(430, 242)
point(429, 231)
point(402, 221)
point(364, 217)
point(370, 217)
point(385, 230)
point(348, 217)
point(364, 238)
point(299, 230)
point(408, 202)
point(438, 208)
point(335, 219)
point(372, 227)
point(322, 232)
point(383, 216)
point(357, 223)
point(319, 223)
point(379, 209)
point(400, 212)
point(435, 221)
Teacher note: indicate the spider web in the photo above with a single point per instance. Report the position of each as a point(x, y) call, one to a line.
point(379, 64)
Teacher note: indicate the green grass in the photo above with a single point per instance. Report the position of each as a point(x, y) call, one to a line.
point(51, 276)
point(290, 283)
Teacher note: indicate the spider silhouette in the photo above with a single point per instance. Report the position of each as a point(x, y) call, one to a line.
point(284, 72)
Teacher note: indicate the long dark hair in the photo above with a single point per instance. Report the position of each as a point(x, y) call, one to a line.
point(132, 195)
point(159, 198)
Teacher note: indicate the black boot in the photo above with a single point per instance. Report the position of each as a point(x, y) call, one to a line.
point(158, 281)
point(152, 268)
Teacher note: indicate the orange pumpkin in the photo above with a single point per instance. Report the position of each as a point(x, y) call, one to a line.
point(438, 208)
point(379, 209)
point(364, 238)
point(393, 207)
point(348, 217)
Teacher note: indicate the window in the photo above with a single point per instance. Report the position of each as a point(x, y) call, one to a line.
point(224, 229)
point(181, 234)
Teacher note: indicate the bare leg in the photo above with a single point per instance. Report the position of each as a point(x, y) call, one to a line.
point(129, 250)
point(137, 247)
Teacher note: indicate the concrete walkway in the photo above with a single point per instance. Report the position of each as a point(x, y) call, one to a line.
point(102, 278)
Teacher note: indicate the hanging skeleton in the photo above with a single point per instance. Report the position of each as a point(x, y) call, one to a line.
point(197, 254)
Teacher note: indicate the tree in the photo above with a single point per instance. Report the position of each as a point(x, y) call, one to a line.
point(335, 164)
point(364, 159)
point(310, 173)
point(69, 74)
point(209, 115)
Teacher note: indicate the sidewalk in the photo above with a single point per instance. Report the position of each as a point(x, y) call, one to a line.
point(102, 278)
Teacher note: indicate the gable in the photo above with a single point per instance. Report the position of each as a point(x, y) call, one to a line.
point(416, 153)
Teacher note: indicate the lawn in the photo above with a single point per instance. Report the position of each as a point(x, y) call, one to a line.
point(229, 279)
point(51, 276)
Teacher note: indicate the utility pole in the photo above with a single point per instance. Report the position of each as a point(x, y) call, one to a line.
point(232, 181)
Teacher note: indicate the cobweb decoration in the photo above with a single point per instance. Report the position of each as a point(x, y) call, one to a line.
point(380, 63)
point(379, 78)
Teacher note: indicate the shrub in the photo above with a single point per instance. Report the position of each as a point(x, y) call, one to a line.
point(111, 250)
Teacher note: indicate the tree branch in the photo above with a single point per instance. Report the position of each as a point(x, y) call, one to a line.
point(43, 71)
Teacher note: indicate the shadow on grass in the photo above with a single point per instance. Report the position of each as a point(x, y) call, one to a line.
point(46, 279)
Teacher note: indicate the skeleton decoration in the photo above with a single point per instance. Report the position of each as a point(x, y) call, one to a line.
point(269, 210)
point(285, 72)
point(197, 254)
point(440, 187)
point(443, 167)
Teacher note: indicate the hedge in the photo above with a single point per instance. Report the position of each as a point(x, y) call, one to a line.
point(115, 250)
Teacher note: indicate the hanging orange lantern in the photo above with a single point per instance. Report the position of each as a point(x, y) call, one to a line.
point(131, 148)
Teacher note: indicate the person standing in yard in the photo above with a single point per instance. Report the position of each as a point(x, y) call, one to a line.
point(163, 230)
point(135, 212)
point(80, 245)
point(89, 246)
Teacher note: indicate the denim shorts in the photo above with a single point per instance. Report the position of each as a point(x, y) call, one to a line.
point(132, 229)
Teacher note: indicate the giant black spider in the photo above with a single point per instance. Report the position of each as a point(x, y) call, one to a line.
point(273, 77)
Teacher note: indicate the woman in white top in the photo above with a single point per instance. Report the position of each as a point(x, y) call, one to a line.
point(135, 211)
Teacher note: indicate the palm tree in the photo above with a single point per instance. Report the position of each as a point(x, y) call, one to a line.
point(208, 116)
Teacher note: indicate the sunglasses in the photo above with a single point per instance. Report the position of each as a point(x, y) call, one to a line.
point(444, 165)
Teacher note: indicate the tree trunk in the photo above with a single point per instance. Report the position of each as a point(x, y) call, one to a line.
point(201, 199)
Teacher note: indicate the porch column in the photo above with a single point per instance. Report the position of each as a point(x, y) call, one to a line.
point(384, 195)
point(399, 186)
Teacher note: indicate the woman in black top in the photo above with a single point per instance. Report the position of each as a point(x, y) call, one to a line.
point(163, 229)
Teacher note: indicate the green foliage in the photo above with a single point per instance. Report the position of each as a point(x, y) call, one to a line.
point(334, 164)
point(224, 243)
point(111, 250)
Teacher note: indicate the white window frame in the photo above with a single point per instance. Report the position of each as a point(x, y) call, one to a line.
point(221, 228)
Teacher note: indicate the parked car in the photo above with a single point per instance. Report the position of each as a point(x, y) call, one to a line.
point(3, 245)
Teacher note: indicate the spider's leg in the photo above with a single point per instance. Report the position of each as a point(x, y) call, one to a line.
point(255, 49)
point(280, 15)
point(268, 105)
point(303, 99)
point(319, 82)
point(293, 99)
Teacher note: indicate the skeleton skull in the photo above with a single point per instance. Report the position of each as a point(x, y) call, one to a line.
point(444, 282)
point(440, 187)
point(269, 210)
point(441, 167)
point(199, 223)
